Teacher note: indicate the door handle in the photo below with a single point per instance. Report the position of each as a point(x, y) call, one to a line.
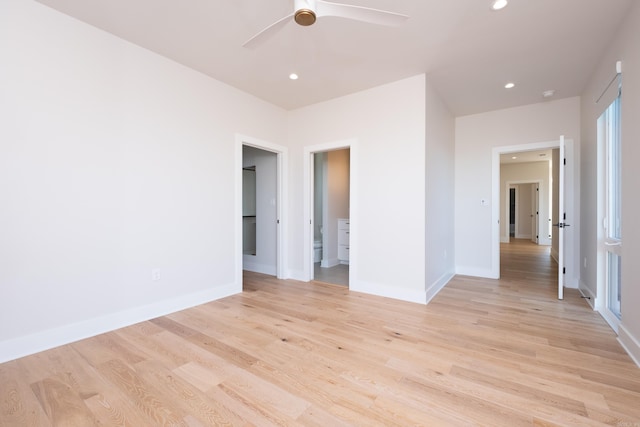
point(561, 225)
point(613, 243)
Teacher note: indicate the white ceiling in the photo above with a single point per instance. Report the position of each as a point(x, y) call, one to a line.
point(468, 50)
point(526, 156)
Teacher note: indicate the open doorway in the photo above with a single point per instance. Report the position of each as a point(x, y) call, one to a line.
point(524, 211)
point(331, 223)
point(259, 210)
point(562, 171)
point(526, 197)
point(339, 224)
point(261, 194)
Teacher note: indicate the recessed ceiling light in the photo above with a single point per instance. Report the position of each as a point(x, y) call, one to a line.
point(548, 93)
point(499, 4)
point(509, 85)
point(514, 157)
point(293, 76)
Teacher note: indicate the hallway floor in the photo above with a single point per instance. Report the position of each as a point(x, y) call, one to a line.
point(338, 275)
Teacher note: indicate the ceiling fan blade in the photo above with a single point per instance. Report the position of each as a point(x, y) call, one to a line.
point(267, 33)
point(359, 13)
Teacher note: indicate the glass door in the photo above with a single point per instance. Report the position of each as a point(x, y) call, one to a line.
point(612, 236)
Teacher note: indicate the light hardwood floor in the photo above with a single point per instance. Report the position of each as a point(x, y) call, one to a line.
point(483, 352)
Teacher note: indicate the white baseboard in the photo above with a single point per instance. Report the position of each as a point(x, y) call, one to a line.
point(380, 290)
point(590, 297)
point(523, 236)
point(23, 346)
point(476, 272)
point(437, 286)
point(630, 343)
point(544, 241)
point(328, 263)
point(296, 275)
point(259, 268)
point(554, 255)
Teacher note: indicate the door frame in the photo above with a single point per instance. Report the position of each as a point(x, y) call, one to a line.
point(601, 303)
point(508, 186)
point(571, 204)
point(281, 201)
point(307, 197)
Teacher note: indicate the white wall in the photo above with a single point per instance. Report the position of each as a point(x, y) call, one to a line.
point(387, 247)
point(114, 162)
point(516, 173)
point(625, 48)
point(476, 136)
point(264, 261)
point(439, 187)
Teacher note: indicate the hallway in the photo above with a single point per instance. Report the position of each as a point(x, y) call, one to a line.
point(523, 260)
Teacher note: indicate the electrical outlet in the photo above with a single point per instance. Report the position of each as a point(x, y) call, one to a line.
point(155, 274)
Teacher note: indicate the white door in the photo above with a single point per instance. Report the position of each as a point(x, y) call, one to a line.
point(562, 217)
point(535, 206)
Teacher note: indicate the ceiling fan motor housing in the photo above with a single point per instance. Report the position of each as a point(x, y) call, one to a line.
point(305, 12)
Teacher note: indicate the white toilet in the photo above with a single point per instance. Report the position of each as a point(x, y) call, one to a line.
point(317, 250)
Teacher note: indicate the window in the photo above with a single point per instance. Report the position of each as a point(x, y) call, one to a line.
point(611, 198)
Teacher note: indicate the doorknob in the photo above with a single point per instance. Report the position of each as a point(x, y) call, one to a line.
point(561, 225)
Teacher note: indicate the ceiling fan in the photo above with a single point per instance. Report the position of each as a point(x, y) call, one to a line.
point(306, 12)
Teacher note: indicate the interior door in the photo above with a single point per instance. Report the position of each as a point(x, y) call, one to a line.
point(534, 213)
point(562, 216)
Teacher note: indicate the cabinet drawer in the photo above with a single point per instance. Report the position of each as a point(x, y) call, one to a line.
point(343, 224)
point(343, 237)
point(343, 252)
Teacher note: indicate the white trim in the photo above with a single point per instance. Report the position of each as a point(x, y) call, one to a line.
point(307, 197)
point(249, 265)
point(476, 272)
point(328, 263)
point(296, 275)
point(25, 345)
point(281, 203)
point(590, 297)
point(630, 343)
point(610, 318)
point(386, 291)
point(437, 286)
point(403, 294)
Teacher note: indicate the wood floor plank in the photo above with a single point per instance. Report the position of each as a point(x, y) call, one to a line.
point(193, 404)
point(62, 404)
point(483, 352)
point(18, 404)
point(144, 396)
